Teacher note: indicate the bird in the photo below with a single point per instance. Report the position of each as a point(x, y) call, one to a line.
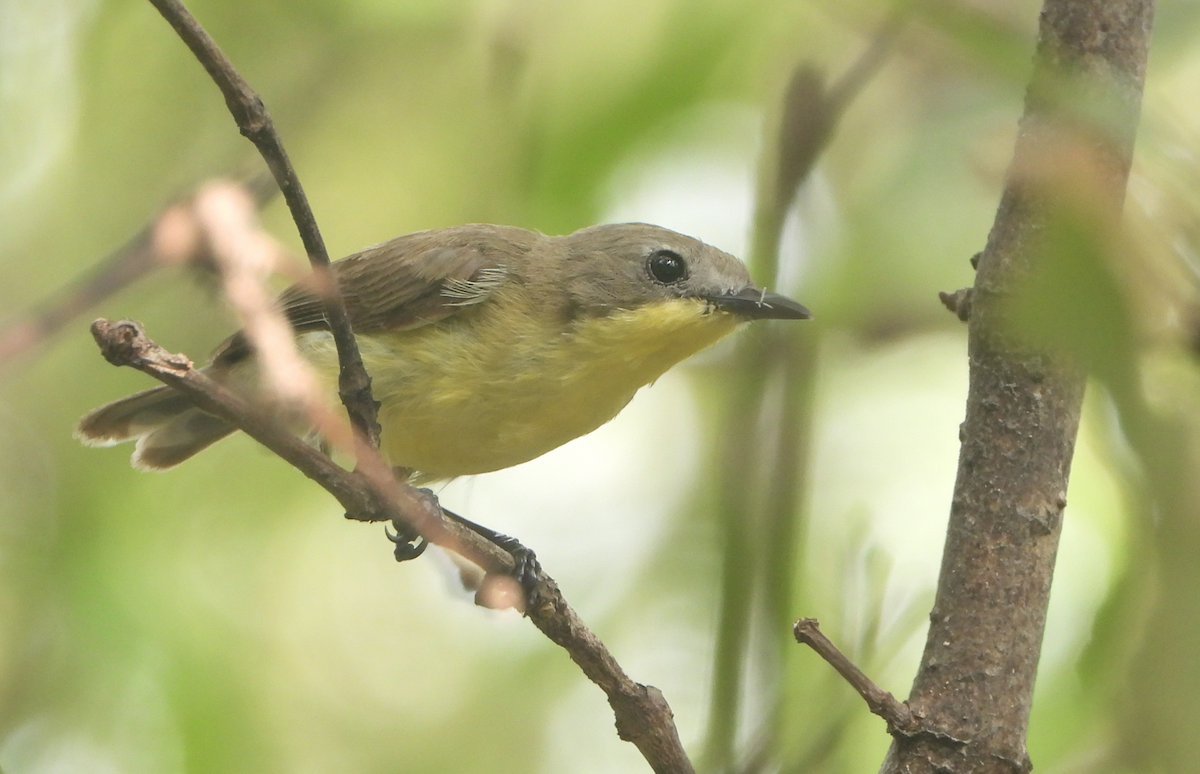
point(487, 345)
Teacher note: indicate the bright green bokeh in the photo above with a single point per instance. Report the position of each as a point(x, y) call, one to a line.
point(223, 617)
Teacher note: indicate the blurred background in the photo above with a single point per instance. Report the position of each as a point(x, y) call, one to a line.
point(224, 617)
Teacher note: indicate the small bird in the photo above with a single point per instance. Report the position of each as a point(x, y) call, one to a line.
point(487, 345)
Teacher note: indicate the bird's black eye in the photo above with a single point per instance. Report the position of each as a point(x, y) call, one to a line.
point(667, 267)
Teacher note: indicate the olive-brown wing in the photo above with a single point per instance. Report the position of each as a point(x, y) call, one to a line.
point(406, 282)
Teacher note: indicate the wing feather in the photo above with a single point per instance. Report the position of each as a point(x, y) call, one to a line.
point(406, 282)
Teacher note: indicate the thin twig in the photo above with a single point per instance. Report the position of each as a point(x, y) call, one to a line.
point(25, 333)
point(371, 493)
point(812, 110)
point(642, 713)
point(124, 343)
point(882, 703)
point(246, 256)
point(810, 114)
point(255, 124)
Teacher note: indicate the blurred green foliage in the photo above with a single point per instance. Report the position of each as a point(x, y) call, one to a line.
point(223, 618)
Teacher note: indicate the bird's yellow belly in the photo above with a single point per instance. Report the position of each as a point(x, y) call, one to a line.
point(469, 396)
point(461, 432)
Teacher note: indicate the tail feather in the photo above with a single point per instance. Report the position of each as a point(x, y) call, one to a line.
point(171, 443)
point(130, 417)
point(168, 428)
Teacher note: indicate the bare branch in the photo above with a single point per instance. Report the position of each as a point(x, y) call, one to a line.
point(151, 248)
point(643, 715)
point(880, 702)
point(371, 493)
point(255, 123)
point(124, 343)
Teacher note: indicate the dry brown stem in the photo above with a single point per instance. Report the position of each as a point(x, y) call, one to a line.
point(156, 245)
point(255, 123)
point(880, 702)
point(371, 493)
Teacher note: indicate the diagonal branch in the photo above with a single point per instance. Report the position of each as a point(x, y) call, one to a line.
point(371, 493)
point(880, 702)
point(255, 123)
point(22, 334)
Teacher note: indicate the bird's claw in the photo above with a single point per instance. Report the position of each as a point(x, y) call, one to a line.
point(408, 544)
point(526, 567)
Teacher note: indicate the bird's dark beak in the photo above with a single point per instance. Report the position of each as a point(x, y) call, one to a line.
point(758, 304)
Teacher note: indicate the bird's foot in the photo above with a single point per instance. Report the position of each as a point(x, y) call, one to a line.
point(526, 568)
point(409, 544)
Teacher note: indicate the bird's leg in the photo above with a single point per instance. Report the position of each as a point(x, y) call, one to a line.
point(409, 544)
point(525, 564)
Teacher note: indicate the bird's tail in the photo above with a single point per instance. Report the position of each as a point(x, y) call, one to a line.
point(168, 428)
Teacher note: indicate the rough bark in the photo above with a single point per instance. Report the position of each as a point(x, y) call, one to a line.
point(973, 691)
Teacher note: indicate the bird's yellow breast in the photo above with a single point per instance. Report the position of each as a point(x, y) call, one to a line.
point(499, 384)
